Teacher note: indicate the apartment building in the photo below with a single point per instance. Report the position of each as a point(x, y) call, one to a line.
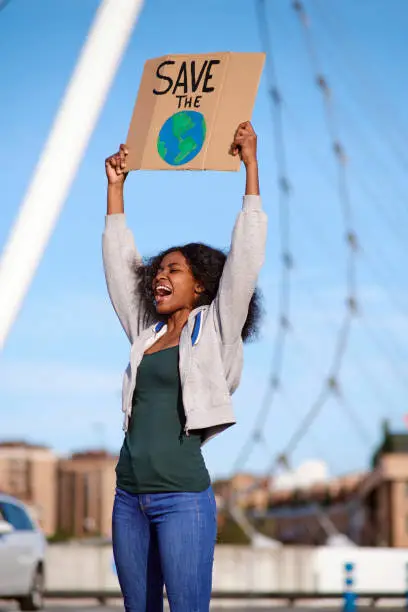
point(368, 508)
point(86, 487)
point(243, 489)
point(73, 497)
point(312, 515)
point(28, 472)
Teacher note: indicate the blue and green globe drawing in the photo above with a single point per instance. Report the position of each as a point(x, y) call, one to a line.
point(181, 137)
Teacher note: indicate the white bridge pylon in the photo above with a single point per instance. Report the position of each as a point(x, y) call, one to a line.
point(59, 161)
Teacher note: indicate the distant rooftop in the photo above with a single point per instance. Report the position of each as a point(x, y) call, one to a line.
point(391, 443)
point(93, 454)
point(22, 444)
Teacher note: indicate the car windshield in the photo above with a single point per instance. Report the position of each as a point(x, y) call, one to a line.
point(16, 516)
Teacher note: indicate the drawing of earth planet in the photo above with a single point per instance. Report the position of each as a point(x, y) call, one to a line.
point(181, 137)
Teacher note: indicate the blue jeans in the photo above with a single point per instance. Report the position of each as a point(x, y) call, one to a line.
point(164, 538)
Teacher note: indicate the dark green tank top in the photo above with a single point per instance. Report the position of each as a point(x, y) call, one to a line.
point(156, 455)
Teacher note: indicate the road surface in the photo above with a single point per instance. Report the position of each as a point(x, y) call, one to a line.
point(216, 607)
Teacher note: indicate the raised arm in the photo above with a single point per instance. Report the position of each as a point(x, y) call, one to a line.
point(119, 251)
point(247, 252)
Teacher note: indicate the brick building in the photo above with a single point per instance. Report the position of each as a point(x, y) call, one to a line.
point(369, 509)
point(73, 496)
point(86, 488)
point(29, 472)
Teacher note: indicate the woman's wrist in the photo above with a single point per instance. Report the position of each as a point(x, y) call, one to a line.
point(252, 177)
point(115, 203)
point(116, 187)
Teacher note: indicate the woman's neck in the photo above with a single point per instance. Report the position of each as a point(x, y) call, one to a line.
point(177, 320)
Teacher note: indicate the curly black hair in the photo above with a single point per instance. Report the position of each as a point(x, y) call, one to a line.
point(206, 264)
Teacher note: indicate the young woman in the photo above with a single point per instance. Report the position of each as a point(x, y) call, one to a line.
point(186, 314)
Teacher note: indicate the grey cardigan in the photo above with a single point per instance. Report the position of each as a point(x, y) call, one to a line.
point(211, 350)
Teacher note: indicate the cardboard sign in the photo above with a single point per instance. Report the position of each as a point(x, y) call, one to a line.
point(188, 108)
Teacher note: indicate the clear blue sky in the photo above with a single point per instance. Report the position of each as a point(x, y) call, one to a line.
point(60, 374)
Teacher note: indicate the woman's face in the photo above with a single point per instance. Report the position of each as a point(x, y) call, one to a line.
point(174, 286)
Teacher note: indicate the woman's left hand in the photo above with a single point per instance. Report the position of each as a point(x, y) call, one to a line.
point(245, 143)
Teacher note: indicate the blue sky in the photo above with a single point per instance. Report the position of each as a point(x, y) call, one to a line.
point(61, 370)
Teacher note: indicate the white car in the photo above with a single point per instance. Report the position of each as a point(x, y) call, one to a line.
point(22, 553)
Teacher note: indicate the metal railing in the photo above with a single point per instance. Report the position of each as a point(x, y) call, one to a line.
point(370, 599)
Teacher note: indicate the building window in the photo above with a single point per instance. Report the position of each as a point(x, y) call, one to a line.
point(18, 477)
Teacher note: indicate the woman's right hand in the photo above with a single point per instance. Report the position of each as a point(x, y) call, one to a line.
point(115, 167)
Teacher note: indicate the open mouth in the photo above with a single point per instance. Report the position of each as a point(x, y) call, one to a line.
point(162, 293)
